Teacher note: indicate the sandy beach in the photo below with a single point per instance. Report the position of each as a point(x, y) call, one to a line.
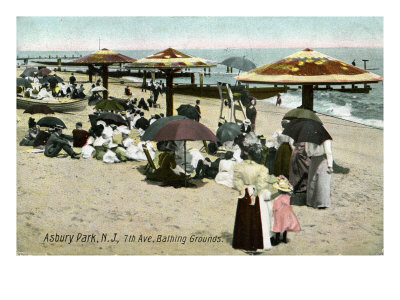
point(87, 197)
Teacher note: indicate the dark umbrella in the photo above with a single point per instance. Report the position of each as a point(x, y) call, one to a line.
point(51, 79)
point(305, 130)
point(154, 128)
point(185, 130)
point(39, 109)
point(44, 72)
point(121, 101)
point(29, 72)
point(51, 122)
point(228, 132)
point(109, 105)
point(111, 118)
point(240, 63)
point(24, 82)
point(301, 113)
point(188, 111)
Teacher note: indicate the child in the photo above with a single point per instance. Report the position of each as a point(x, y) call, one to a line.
point(284, 217)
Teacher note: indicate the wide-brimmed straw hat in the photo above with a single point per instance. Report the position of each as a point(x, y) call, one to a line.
point(283, 184)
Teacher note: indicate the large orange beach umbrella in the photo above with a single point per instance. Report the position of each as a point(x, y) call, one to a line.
point(309, 68)
point(170, 61)
point(103, 58)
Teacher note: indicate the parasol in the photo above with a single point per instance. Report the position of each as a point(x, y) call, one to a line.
point(103, 58)
point(228, 132)
point(51, 122)
point(240, 63)
point(308, 68)
point(188, 111)
point(305, 130)
point(154, 128)
point(43, 72)
point(170, 61)
point(29, 72)
point(301, 113)
point(109, 105)
point(111, 118)
point(24, 82)
point(98, 89)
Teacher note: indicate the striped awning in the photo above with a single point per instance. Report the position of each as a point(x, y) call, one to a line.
point(103, 57)
point(171, 59)
point(308, 67)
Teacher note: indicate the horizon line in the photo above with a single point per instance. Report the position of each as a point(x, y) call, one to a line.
point(216, 48)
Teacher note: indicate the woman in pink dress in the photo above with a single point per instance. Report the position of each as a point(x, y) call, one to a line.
point(284, 217)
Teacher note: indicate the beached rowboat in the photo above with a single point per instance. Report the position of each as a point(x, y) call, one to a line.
point(62, 105)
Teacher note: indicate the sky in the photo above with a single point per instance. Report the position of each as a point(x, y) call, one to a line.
point(141, 33)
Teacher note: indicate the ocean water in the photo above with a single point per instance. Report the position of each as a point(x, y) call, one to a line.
point(357, 107)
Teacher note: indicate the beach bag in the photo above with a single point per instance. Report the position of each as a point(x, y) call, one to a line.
point(110, 157)
point(88, 151)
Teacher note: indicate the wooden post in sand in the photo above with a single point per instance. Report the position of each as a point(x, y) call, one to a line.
point(90, 73)
point(169, 93)
point(105, 81)
point(59, 64)
point(308, 97)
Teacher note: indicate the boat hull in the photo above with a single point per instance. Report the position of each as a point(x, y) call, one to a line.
point(67, 106)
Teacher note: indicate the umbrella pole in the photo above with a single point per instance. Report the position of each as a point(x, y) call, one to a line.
point(308, 97)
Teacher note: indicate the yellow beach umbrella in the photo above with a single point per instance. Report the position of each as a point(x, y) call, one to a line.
point(308, 68)
point(170, 61)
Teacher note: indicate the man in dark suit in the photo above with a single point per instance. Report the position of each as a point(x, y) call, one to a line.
point(72, 79)
point(80, 135)
point(56, 143)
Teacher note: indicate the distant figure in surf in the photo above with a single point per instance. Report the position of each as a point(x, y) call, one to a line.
point(278, 100)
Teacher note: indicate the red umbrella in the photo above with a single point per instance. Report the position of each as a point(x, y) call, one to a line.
point(185, 130)
point(44, 72)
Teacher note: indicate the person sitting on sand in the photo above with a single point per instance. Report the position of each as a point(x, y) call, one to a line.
point(34, 130)
point(57, 143)
point(142, 104)
point(142, 122)
point(128, 91)
point(168, 173)
point(80, 136)
point(226, 170)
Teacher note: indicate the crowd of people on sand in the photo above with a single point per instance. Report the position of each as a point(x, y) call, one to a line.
point(52, 87)
point(270, 175)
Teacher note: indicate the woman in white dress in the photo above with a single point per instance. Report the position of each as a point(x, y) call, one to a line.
point(226, 170)
point(319, 176)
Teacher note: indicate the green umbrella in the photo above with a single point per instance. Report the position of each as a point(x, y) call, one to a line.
point(24, 82)
point(301, 113)
point(109, 105)
point(228, 132)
